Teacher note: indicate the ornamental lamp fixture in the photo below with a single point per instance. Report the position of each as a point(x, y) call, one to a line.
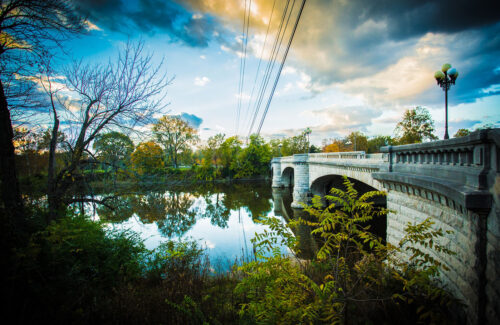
point(445, 78)
point(307, 131)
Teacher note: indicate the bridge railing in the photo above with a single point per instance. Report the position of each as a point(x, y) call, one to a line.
point(348, 155)
point(462, 160)
point(336, 155)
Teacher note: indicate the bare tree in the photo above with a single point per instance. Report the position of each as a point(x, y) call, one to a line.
point(123, 94)
point(29, 29)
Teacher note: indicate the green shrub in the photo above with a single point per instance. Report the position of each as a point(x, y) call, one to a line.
point(70, 269)
point(355, 277)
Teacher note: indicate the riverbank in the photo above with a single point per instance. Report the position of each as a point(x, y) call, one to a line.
point(36, 186)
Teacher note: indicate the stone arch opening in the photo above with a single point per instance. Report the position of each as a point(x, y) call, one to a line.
point(288, 177)
point(322, 185)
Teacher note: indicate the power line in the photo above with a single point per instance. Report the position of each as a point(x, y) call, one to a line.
point(246, 24)
point(260, 60)
point(270, 65)
point(281, 66)
point(236, 122)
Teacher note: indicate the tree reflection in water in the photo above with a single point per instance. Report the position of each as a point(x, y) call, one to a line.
point(174, 211)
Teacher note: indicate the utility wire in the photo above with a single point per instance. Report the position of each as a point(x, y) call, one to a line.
point(281, 67)
point(270, 65)
point(260, 61)
point(246, 24)
point(236, 121)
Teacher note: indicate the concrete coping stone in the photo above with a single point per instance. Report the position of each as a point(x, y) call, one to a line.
point(468, 197)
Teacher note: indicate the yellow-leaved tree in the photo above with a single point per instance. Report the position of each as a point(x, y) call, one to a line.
point(147, 158)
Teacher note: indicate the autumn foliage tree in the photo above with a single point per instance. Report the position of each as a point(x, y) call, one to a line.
point(336, 145)
point(147, 158)
point(462, 133)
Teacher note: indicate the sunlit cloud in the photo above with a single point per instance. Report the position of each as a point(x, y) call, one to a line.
point(90, 26)
point(201, 81)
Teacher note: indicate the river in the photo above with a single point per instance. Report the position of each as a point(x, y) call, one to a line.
point(222, 218)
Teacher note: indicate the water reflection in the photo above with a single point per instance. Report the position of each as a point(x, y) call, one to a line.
point(221, 217)
point(283, 198)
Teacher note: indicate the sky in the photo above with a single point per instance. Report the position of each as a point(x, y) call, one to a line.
point(352, 66)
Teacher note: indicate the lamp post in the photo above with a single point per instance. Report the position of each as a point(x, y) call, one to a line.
point(279, 148)
point(307, 132)
point(445, 78)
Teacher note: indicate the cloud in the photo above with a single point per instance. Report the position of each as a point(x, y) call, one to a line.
point(463, 123)
point(201, 81)
point(335, 121)
point(91, 26)
point(151, 16)
point(341, 119)
point(383, 51)
point(208, 244)
point(193, 120)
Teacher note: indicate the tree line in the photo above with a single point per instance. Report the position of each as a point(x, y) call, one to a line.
point(416, 126)
point(172, 148)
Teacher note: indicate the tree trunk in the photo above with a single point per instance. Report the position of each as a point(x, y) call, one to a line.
point(51, 174)
point(11, 195)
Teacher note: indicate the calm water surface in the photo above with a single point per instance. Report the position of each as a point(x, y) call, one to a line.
point(222, 218)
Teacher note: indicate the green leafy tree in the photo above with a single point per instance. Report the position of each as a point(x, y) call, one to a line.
point(212, 151)
point(254, 159)
point(43, 142)
point(175, 135)
point(417, 125)
point(314, 149)
point(205, 170)
point(294, 145)
point(229, 151)
point(375, 143)
point(147, 158)
point(358, 141)
point(113, 148)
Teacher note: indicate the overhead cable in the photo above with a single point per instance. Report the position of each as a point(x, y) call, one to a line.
point(270, 65)
point(244, 39)
point(281, 66)
point(260, 61)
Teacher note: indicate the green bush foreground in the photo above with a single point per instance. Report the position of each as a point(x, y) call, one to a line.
point(78, 271)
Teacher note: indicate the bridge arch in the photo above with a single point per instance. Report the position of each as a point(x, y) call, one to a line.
point(362, 175)
point(288, 177)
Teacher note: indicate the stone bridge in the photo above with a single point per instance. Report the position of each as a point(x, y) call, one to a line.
point(455, 182)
